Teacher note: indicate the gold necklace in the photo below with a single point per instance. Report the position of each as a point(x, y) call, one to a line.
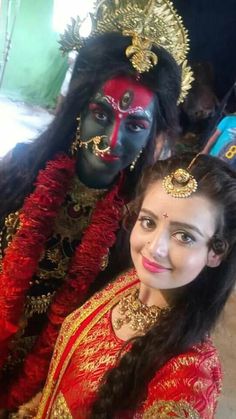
point(139, 316)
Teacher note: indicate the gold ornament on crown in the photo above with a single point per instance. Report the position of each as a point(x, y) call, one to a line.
point(149, 23)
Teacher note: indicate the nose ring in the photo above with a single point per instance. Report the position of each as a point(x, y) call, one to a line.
point(99, 151)
point(78, 143)
point(96, 142)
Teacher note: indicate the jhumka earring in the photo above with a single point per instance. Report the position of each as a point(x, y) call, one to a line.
point(180, 183)
point(132, 166)
point(78, 143)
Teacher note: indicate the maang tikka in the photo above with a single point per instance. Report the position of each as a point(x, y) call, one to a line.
point(78, 143)
point(181, 183)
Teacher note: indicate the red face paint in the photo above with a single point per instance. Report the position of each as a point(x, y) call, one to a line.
point(126, 96)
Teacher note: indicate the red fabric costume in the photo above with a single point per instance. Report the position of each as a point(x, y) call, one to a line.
point(186, 387)
point(20, 263)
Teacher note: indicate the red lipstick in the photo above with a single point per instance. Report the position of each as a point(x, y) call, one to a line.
point(153, 266)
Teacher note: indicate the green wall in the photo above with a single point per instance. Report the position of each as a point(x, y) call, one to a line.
point(36, 68)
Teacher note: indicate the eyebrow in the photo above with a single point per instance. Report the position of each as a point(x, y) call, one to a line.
point(101, 101)
point(139, 117)
point(174, 223)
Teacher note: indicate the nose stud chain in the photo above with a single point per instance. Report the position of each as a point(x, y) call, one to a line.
point(78, 143)
point(96, 142)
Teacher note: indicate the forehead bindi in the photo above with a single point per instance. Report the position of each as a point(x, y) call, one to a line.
point(126, 95)
point(181, 211)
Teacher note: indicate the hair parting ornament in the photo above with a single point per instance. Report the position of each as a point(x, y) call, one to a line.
point(180, 183)
point(148, 23)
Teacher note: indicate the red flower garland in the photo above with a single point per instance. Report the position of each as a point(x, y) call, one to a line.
point(22, 256)
point(86, 264)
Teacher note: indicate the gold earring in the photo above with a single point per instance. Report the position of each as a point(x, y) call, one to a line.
point(76, 143)
point(132, 166)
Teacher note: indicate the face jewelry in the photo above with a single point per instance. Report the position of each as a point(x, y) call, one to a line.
point(78, 143)
point(132, 166)
point(139, 316)
point(165, 215)
point(96, 141)
point(180, 183)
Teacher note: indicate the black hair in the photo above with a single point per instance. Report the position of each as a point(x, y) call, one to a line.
point(101, 58)
point(199, 305)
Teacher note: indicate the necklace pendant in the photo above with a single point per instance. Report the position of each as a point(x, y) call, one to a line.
point(137, 315)
point(118, 323)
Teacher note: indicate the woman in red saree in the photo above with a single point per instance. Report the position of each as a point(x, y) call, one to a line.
point(141, 347)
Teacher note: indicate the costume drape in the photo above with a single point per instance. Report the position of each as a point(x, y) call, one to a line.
point(41, 221)
point(188, 385)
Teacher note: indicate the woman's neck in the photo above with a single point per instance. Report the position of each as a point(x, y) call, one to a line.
point(151, 296)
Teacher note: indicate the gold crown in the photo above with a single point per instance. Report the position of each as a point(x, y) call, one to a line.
point(153, 22)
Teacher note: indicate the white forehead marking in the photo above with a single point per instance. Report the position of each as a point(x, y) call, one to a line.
point(116, 106)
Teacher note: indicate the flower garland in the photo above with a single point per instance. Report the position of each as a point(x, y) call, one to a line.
point(99, 236)
point(22, 256)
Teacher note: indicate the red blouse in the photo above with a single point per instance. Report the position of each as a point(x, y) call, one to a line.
point(187, 386)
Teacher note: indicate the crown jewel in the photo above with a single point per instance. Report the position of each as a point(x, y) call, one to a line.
point(153, 22)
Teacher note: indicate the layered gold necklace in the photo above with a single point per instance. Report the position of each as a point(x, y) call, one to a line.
point(137, 315)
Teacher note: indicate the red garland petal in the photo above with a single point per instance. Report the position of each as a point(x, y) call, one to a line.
point(7, 330)
point(21, 259)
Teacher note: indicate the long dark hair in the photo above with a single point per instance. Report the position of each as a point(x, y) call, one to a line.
point(199, 305)
point(101, 58)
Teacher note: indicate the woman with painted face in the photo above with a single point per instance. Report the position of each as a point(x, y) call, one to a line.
point(62, 197)
point(141, 347)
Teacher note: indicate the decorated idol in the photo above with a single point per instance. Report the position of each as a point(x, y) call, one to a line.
point(63, 195)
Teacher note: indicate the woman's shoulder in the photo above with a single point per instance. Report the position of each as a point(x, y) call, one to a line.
point(198, 356)
point(189, 383)
point(200, 364)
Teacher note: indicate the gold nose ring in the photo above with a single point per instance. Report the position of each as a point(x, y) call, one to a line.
point(100, 151)
point(96, 142)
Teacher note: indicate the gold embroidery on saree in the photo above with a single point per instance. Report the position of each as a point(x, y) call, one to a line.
point(164, 409)
point(60, 409)
point(72, 323)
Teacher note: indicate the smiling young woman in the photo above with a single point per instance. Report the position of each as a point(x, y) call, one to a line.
point(141, 347)
point(169, 252)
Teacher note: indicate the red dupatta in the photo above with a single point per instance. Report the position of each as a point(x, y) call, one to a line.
point(73, 332)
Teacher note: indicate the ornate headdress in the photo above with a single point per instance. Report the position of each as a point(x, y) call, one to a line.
point(180, 183)
point(153, 22)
